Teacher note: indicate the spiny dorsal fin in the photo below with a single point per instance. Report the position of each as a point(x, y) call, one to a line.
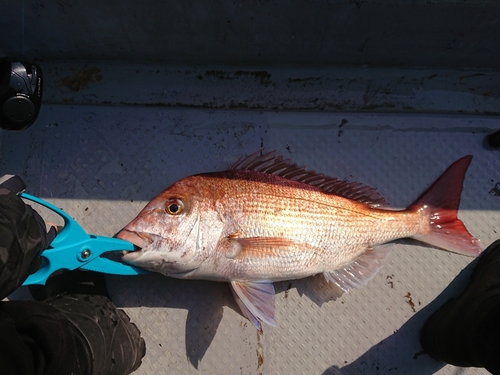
point(276, 165)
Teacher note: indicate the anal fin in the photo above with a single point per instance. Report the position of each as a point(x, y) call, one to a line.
point(256, 301)
point(361, 271)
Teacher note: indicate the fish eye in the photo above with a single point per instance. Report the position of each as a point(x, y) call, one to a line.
point(174, 207)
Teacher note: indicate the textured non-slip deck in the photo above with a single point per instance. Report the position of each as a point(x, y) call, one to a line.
point(103, 163)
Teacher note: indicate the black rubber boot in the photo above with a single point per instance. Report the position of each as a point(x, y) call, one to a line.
point(465, 331)
point(110, 344)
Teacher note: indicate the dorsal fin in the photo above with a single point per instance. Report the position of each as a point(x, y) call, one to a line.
point(276, 165)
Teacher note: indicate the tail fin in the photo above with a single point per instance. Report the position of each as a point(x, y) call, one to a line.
point(442, 198)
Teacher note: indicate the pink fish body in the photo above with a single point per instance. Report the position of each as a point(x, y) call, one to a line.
point(267, 220)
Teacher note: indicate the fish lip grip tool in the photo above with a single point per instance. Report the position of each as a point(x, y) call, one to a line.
point(73, 248)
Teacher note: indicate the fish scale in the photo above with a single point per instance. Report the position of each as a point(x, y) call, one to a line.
point(267, 219)
point(324, 219)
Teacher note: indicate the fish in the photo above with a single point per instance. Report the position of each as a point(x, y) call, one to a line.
point(266, 219)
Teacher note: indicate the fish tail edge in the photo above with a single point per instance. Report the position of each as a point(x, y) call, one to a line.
point(441, 200)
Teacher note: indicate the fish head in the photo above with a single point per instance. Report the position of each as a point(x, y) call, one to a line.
point(168, 232)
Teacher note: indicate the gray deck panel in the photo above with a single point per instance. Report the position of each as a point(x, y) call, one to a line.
point(102, 164)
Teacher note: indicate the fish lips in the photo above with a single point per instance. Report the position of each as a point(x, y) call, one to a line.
point(139, 239)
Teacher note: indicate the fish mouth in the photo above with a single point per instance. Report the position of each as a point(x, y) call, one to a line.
point(141, 240)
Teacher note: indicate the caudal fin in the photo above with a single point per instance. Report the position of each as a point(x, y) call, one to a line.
point(442, 199)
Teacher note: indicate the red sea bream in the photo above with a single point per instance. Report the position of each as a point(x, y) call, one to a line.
point(267, 220)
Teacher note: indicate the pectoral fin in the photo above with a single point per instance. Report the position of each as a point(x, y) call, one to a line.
point(257, 247)
point(256, 301)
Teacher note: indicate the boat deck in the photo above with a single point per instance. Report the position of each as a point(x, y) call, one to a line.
point(102, 151)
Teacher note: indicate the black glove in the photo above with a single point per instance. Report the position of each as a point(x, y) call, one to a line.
point(23, 236)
